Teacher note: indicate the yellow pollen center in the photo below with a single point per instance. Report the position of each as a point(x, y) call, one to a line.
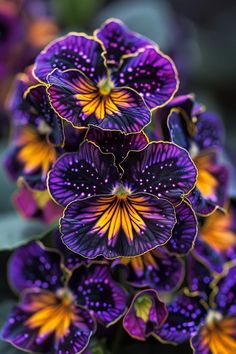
point(121, 192)
point(105, 86)
point(142, 307)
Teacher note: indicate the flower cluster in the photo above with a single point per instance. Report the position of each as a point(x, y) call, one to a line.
point(147, 230)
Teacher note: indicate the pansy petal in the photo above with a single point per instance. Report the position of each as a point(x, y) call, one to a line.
point(119, 40)
point(43, 116)
point(162, 168)
point(157, 269)
point(216, 338)
point(82, 174)
point(79, 101)
point(185, 230)
point(26, 329)
point(74, 50)
point(114, 227)
point(150, 73)
point(208, 255)
point(145, 314)
point(95, 289)
point(226, 290)
point(117, 142)
point(177, 127)
point(199, 276)
point(32, 266)
point(185, 315)
point(201, 206)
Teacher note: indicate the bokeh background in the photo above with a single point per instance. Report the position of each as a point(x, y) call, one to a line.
point(198, 35)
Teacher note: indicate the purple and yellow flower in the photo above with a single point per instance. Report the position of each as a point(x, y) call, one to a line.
point(145, 315)
point(51, 316)
point(187, 124)
point(93, 81)
point(116, 215)
point(36, 204)
point(37, 132)
point(210, 325)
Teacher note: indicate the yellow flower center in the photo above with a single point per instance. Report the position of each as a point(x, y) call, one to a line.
point(143, 306)
point(105, 86)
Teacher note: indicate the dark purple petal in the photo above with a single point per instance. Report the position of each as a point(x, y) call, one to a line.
point(186, 313)
point(79, 101)
point(73, 51)
point(33, 266)
point(185, 230)
point(114, 227)
point(117, 143)
point(163, 169)
point(199, 276)
point(208, 255)
point(200, 205)
point(18, 331)
point(82, 174)
point(94, 289)
point(225, 291)
point(156, 269)
point(145, 314)
point(119, 40)
point(178, 129)
point(200, 343)
point(150, 73)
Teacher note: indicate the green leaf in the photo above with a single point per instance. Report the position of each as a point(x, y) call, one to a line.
point(16, 231)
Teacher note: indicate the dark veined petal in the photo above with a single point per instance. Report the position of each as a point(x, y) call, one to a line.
point(200, 205)
point(199, 275)
point(162, 168)
point(115, 226)
point(118, 40)
point(185, 230)
point(225, 291)
point(117, 142)
point(218, 337)
point(178, 129)
point(42, 115)
point(82, 174)
point(145, 314)
point(94, 289)
point(41, 324)
point(79, 101)
point(156, 269)
point(73, 51)
point(150, 73)
point(208, 255)
point(33, 266)
point(186, 313)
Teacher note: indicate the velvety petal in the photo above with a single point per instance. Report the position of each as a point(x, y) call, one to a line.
point(145, 314)
point(114, 227)
point(117, 143)
point(73, 51)
point(186, 313)
point(163, 169)
point(151, 74)
point(42, 115)
point(225, 290)
point(156, 269)
point(216, 338)
point(119, 40)
point(178, 129)
point(20, 333)
point(94, 288)
point(209, 131)
point(199, 276)
point(200, 205)
point(79, 101)
point(82, 174)
point(33, 266)
point(208, 255)
point(185, 230)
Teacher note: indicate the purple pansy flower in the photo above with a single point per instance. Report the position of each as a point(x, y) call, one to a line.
point(37, 131)
point(85, 91)
point(115, 215)
point(210, 325)
point(145, 314)
point(51, 316)
point(186, 123)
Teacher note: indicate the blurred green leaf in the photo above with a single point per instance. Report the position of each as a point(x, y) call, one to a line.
point(7, 348)
point(16, 231)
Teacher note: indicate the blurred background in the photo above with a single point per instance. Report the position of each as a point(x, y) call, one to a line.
point(198, 35)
